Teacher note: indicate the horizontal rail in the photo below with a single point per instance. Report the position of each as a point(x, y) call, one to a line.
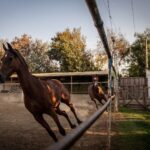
point(71, 138)
point(72, 86)
point(13, 83)
point(83, 83)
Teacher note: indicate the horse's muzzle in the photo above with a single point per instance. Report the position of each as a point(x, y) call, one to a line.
point(95, 84)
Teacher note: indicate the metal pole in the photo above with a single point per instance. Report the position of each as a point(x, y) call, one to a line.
point(146, 51)
point(115, 79)
point(109, 127)
point(99, 25)
point(109, 107)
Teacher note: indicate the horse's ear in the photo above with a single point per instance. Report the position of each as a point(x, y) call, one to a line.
point(9, 46)
point(10, 49)
point(4, 47)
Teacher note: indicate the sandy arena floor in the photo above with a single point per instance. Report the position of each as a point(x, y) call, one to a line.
point(19, 130)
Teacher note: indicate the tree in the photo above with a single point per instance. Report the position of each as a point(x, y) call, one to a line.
point(2, 41)
point(22, 44)
point(38, 59)
point(35, 53)
point(68, 48)
point(1, 52)
point(118, 46)
point(100, 61)
point(136, 55)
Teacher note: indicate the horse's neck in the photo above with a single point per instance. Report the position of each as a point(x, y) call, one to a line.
point(95, 88)
point(25, 78)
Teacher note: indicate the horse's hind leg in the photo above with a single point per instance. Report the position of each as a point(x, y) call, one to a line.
point(39, 118)
point(67, 102)
point(63, 113)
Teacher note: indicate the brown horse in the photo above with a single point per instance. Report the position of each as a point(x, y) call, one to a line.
point(96, 93)
point(40, 97)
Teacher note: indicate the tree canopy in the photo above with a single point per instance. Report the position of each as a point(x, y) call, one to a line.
point(35, 53)
point(118, 47)
point(67, 52)
point(69, 49)
point(137, 54)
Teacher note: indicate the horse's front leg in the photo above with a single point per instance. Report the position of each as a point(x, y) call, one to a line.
point(94, 102)
point(104, 98)
point(99, 98)
point(74, 112)
point(39, 118)
point(53, 114)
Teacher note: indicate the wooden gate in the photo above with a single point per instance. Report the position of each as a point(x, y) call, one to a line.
point(133, 92)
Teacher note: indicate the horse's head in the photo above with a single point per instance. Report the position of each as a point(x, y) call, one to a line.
point(9, 63)
point(95, 81)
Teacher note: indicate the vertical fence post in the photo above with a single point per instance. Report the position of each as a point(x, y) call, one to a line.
point(99, 25)
point(116, 87)
point(109, 107)
point(71, 85)
point(109, 127)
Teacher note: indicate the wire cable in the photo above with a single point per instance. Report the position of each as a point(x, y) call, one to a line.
point(133, 18)
point(110, 17)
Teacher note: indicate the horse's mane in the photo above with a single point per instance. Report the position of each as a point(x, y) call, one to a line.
point(21, 58)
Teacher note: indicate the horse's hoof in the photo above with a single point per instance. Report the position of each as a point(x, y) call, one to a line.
point(55, 139)
point(79, 122)
point(113, 97)
point(73, 126)
point(63, 132)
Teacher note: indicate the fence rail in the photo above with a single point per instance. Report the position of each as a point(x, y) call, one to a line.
point(74, 87)
point(10, 88)
point(71, 138)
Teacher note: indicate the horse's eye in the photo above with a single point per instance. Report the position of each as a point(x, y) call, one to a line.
point(10, 59)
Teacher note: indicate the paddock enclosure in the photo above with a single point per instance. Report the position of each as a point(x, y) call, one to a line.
point(19, 130)
point(76, 82)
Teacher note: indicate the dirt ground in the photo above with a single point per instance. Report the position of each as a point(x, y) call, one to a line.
point(19, 130)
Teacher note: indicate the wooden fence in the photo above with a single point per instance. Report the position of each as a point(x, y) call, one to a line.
point(133, 92)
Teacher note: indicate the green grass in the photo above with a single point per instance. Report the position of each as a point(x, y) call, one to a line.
point(133, 131)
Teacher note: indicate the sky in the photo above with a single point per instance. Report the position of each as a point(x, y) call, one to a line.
point(42, 19)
